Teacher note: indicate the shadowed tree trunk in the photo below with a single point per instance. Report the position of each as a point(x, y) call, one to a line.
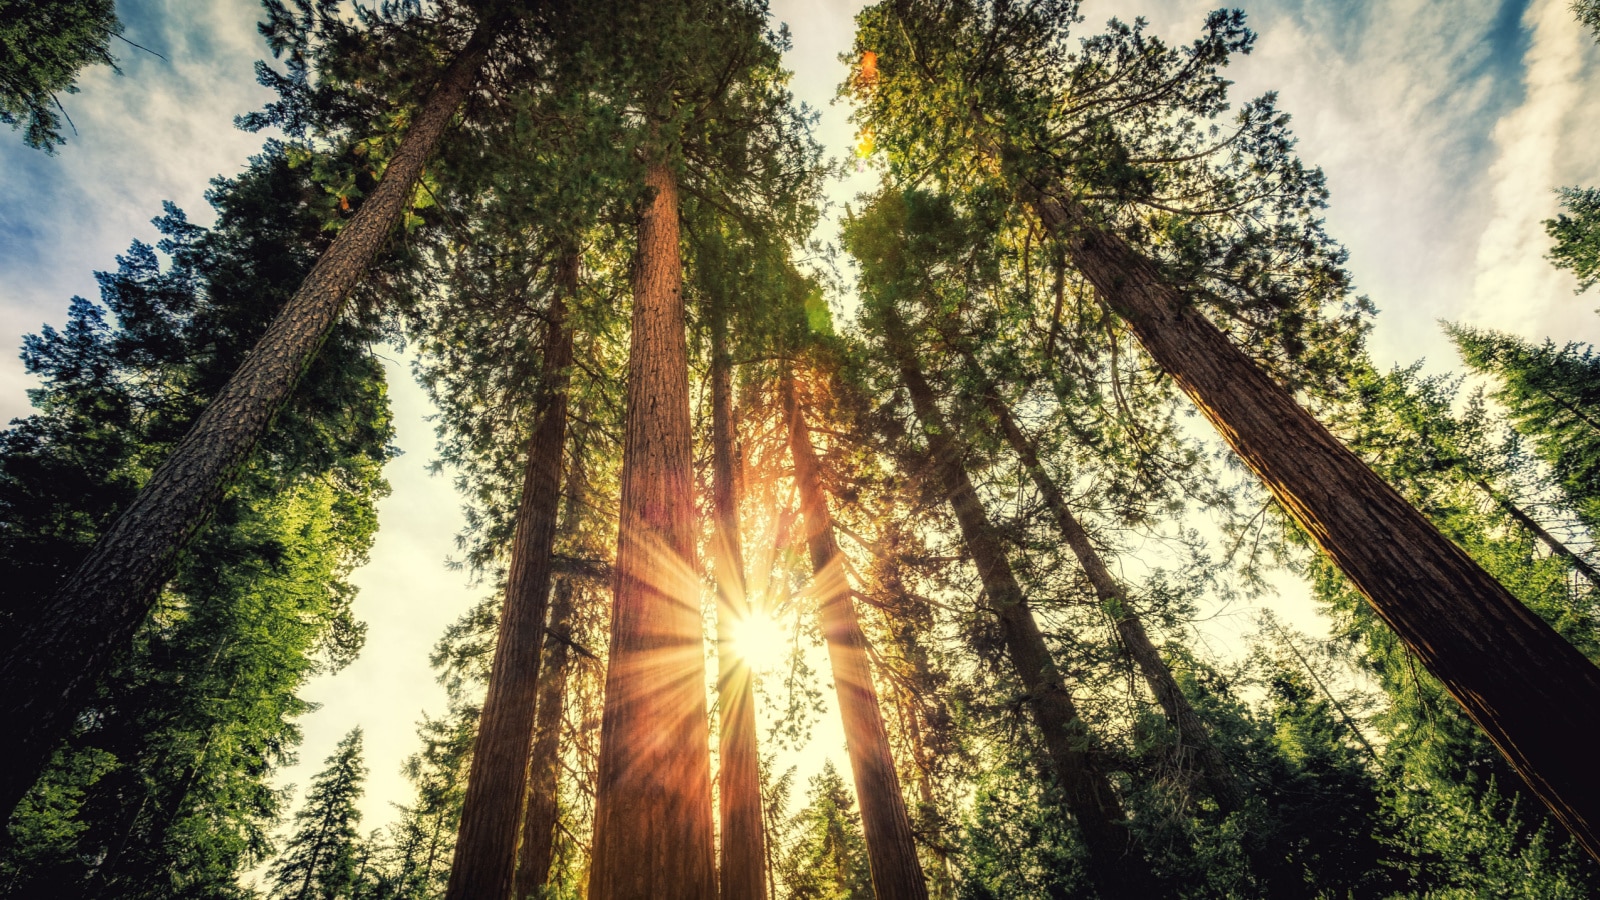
point(653, 831)
point(1528, 689)
point(743, 843)
point(537, 849)
point(68, 648)
point(891, 846)
point(1115, 870)
point(486, 843)
point(1194, 739)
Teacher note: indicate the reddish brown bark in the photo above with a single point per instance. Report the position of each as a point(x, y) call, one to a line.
point(1115, 870)
point(537, 848)
point(1195, 745)
point(1528, 689)
point(743, 845)
point(486, 844)
point(653, 831)
point(61, 656)
point(891, 846)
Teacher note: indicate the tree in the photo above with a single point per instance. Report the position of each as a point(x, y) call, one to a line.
point(62, 654)
point(828, 860)
point(1577, 231)
point(184, 733)
point(1525, 691)
point(319, 860)
point(44, 44)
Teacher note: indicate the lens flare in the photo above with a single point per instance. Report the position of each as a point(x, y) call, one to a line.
point(760, 642)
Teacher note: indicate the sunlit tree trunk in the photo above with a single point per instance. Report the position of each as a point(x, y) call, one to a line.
point(486, 843)
point(1194, 739)
point(537, 848)
point(1528, 689)
point(743, 845)
point(1114, 868)
point(67, 649)
point(653, 828)
point(891, 846)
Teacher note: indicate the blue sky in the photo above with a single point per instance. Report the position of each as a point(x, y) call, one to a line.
point(1443, 128)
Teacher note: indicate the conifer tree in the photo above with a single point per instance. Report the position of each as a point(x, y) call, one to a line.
point(44, 44)
point(828, 859)
point(997, 81)
point(1577, 230)
point(95, 613)
point(319, 860)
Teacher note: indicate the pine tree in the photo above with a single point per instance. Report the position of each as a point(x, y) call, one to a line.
point(1577, 231)
point(44, 44)
point(828, 859)
point(319, 860)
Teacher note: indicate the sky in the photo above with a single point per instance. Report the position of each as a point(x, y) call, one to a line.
point(1443, 129)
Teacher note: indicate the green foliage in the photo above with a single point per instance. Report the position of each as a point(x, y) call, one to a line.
point(1588, 13)
point(1577, 231)
point(43, 46)
point(1552, 395)
point(827, 859)
point(163, 789)
point(320, 860)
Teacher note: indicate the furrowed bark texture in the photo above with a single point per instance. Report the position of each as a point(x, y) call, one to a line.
point(58, 660)
point(1528, 689)
point(486, 844)
point(743, 845)
point(653, 831)
point(1195, 744)
point(537, 849)
point(891, 846)
point(1089, 797)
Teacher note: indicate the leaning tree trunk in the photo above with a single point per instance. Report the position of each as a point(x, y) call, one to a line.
point(1088, 794)
point(891, 846)
point(1528, 689)
point(57, 661)
point(486, 842)
point(743, 844)
point(1578, 563)
point(653, 831)
point(537, 848)
point(1194, 740)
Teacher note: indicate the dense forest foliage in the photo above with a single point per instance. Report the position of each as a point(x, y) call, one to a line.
point(1087, 363)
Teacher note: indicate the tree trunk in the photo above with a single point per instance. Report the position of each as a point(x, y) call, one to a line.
point(1528, 689)
point(68, 648)
point(743, 839)
point(1194, 740)
point(486, 842)
point(1088, 793)
point(891, 846)
point(537, 849)
point(653, 831)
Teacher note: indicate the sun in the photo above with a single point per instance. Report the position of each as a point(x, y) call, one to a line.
point(760, 642)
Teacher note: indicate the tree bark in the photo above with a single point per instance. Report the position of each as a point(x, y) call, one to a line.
point(68, 648)
point(537, 848)
point(653, 830)
point(891, 845)
point(486, 842)
point(1088, 794)
point(1195, 742)
point(1528, 689)
point(743, 842)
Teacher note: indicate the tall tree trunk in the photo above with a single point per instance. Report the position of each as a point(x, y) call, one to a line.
point(1528, 689)
point(891, 846)
point(537, 849)
point(1194, 740)
point(68, 648)
point(653, 831)
point(486, 839)
point(743, 838)
point(1088, 793)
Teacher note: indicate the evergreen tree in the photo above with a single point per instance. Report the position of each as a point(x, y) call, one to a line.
point(320, 859)
point(44, 44)
point(1577, 231)
point(828, 859)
